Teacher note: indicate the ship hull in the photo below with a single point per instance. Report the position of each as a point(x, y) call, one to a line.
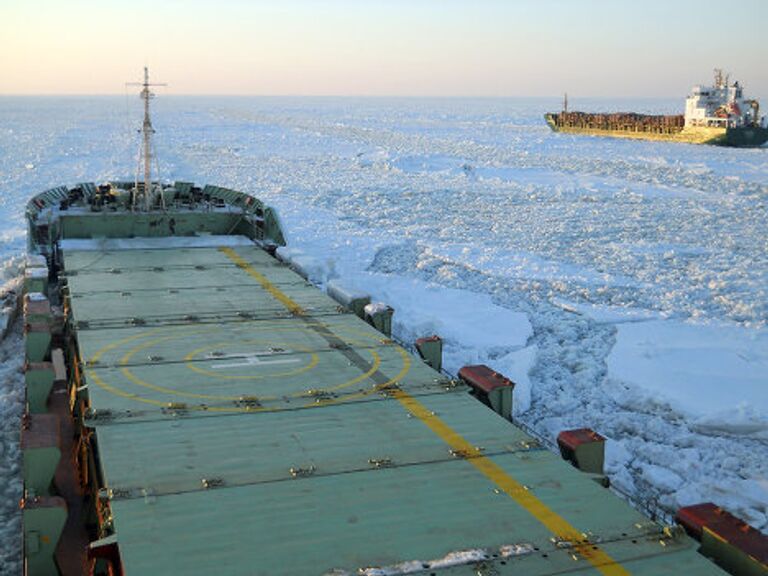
point(746, 137)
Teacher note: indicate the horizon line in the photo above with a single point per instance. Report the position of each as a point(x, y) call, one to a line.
point(262, 95)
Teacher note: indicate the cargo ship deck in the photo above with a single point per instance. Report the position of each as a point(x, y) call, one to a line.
point(245, 423)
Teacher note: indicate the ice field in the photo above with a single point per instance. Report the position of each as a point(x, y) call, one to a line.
point(623, 285)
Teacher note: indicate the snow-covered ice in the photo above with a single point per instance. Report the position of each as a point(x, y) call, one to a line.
point(620, 283)
point(700, 369)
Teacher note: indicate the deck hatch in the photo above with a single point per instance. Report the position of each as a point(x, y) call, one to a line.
point(219, 422)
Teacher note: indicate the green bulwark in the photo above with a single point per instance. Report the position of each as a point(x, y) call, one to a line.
point(38, 377)
point(44, 520)
point(248, 424)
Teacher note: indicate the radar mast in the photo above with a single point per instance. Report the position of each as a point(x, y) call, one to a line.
point(145, 157)
point(719, 82)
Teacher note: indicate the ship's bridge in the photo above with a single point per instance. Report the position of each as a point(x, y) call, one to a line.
point(722, 105)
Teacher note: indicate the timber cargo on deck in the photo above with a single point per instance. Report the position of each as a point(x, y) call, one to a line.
point(718, 114)
point(196, 406)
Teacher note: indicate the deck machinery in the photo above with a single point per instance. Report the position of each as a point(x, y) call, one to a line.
point(195, 406)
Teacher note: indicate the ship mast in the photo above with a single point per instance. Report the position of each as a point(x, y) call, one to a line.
point(146, 131)
point(718, 78)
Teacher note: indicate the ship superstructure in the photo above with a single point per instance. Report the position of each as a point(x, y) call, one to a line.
point(722, 105)
point(196, 406)
point(719, 114)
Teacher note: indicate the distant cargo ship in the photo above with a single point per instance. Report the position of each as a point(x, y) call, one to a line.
point(717, 114)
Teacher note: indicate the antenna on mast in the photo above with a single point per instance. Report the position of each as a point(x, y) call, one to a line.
point(145, 157)
point(718, 78)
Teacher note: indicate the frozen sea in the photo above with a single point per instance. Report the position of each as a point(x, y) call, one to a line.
point(622, 284)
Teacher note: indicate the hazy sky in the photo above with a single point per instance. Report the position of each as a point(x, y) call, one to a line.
point(378, 47)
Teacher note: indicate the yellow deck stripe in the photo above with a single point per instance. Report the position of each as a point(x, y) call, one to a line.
point(518, 492)
point(555, 523)
point(265, 283)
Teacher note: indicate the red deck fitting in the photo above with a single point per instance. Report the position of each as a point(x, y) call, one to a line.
point(694, 518)
point(572, 439)
point(490, 387)
point(482, 378)
point(584, 448)
point(726, 527)
point(427, 339)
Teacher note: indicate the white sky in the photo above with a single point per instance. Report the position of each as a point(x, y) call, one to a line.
point(382, 47)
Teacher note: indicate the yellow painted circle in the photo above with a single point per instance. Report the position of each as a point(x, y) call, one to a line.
point(163, 336)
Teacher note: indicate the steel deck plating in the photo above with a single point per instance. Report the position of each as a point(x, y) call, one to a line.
point(246, 424)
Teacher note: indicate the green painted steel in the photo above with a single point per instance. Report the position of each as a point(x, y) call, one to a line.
point(238, 213)
point(431, 351)
point(590, 457)
point(36, 280)
point(38, 378)
point(380, 318)
point(501, 399)
point(730, 557)
point(126, 225)
point(39, 466)
point(37, 341)
point(248, 424)
point(272, 227)
point(43, 522)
